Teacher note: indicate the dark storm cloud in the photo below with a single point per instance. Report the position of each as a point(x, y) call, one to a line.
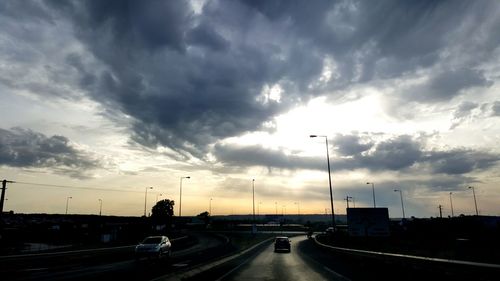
point(401, 153)
point(496, 108)
point(348, 145)
point(247, 156)
point(28, 149)
point(206, 36)
point(188, 80)
point(394, 154)
point(460, 161)
point(446, 85)
point(463, 111)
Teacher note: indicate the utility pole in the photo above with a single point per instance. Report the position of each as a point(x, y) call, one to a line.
point(440, 211)
point(347, 199)
point(451, 205)
point(2, 199)
point(253, 200)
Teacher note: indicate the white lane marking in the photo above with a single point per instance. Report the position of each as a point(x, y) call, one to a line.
point(34, 269)
point(340, 276)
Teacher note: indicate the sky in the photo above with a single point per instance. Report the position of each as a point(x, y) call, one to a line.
point(104, 99)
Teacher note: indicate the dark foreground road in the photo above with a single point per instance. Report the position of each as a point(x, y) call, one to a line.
point(125, 269)
point(296, 265)
point(308, 261)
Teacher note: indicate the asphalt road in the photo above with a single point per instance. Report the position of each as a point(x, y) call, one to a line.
point(296, 265)
point(307, 261)
point(127, 269)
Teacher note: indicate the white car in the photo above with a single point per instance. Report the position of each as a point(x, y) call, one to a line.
point(153, 247)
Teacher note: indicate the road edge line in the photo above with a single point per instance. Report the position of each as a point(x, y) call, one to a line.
point(206, 267)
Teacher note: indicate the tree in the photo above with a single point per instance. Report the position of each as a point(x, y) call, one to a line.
point(163, 211)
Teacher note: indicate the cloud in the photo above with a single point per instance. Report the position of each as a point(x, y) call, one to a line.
point(496, 108)
point(393, 154)
point(188, 79)
point(349, 145)
point(460, 161)
point(404, 154)
point(206, 36)
point(448, 84)
point(463, 111)
point(256, 155)
point(28, 149)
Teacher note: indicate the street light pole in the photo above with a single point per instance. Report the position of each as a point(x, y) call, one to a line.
point(298, 209)
point(373, 191)
point(401, 196)
point(180, 195)
point(100, 207)
point(475, 202)
point(146, 198)
point(210, 207)
point(347, 199)
point(329, 176)
point(451, 204)
point(258, 208)
point(253, 200)
point(67, 202)
point(158, 195)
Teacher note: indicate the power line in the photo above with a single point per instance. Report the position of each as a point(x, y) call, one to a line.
point(75, 187)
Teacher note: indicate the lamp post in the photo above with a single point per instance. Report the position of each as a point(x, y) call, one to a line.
point(401, 196)
point(253, 199)
point(100, 207)
point(373, 191)
point(258, 208)
point(146, 198)
point(67, 202)
point(180, 195)
point(329, 176)
point(276, 207)
point(210, 207)
point(451, 204)
point(298, 209)
point(475, 202)
point(158, 195)
point(347, 199)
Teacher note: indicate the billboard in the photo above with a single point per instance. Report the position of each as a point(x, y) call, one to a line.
point(371, 222)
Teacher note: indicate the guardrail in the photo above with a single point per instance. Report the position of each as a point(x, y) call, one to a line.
point(403, 256)
point(85, 251)
point(410, 267)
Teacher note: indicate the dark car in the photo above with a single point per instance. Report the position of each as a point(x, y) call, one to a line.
point(282, 243)
point(153, 247)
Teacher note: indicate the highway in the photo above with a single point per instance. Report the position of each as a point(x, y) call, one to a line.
point(306, 261)
point(296, 265)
